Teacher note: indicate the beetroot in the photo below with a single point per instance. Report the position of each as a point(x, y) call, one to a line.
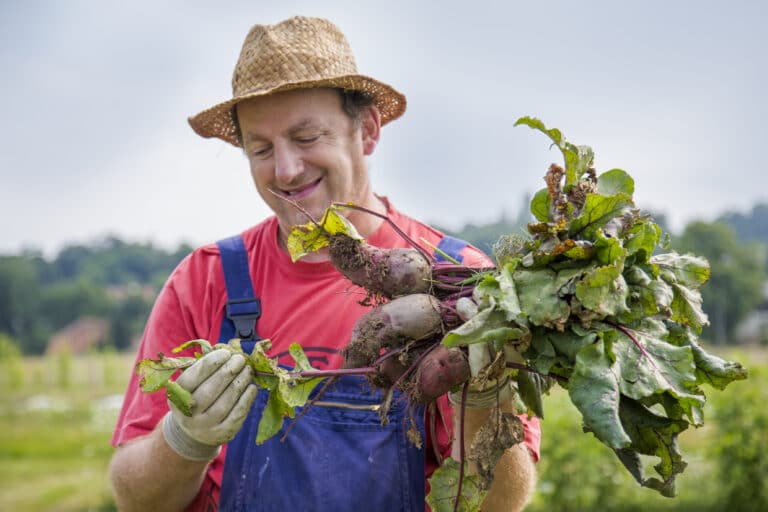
point(387, 272)
point(439, 371)
point(401, 338)
point(411, 317)
point(415, 298)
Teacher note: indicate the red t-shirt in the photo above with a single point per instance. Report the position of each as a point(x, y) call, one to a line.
point(308, 302)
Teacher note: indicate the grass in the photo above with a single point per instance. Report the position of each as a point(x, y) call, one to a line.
point(56, 419)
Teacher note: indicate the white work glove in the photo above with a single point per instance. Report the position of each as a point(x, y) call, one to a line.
point(490, 392)
point(220, 386)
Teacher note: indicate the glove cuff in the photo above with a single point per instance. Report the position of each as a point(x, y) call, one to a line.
point(493, 395)
point(186, 447)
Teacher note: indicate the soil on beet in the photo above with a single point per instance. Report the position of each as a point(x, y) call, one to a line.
point(346, 254)
point(359, 265)
point(364, 348)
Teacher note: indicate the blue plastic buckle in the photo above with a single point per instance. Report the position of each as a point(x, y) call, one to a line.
point(244, 313)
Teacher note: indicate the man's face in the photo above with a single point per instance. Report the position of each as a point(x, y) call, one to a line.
point(303, 147)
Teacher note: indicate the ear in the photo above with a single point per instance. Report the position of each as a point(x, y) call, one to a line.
point(370, 129)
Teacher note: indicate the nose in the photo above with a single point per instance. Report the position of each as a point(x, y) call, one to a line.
point(288, 164)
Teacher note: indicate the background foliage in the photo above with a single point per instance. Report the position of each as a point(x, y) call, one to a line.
point(112, 279)
point(119, 280)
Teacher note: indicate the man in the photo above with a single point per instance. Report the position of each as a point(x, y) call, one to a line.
point(306, 121)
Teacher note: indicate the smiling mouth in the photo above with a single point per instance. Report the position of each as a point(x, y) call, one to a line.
point(301, 192)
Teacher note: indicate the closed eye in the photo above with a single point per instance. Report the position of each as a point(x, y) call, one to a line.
point(307, 140)
point(261, 152)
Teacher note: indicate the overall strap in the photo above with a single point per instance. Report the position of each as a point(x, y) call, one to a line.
point(243, 307)
point(452, 247)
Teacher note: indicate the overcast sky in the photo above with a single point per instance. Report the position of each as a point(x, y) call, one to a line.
point(95, 97)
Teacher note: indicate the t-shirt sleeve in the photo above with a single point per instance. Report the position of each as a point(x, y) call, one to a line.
point(474, 257)
point(141, 411)
point(172, 322)
point(439, 433)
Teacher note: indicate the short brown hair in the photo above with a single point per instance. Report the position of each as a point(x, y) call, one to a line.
point(354, 102)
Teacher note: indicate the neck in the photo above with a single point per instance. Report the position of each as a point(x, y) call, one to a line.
point(365, 223)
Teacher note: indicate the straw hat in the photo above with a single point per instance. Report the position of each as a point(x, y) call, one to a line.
point(293, 54)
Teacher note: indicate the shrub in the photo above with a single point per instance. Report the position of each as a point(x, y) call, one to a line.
point(740, 444)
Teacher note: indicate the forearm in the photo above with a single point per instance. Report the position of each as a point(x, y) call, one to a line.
point(147, 475)
point(515, 473)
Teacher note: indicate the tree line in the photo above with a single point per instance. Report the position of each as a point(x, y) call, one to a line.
point(119, 280)
point(111, 279)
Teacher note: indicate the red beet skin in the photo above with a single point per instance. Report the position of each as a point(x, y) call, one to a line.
point(440, 370)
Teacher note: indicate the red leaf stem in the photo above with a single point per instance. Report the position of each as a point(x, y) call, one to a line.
point(464, 392)
point(389, 221)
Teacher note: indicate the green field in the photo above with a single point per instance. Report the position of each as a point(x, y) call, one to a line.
point(57, 415)
point(56, 418)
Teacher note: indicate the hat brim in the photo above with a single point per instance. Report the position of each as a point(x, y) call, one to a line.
point(218, 122)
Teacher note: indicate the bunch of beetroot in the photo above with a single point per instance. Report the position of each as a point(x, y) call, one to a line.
point(415, 298)
point(588, 300)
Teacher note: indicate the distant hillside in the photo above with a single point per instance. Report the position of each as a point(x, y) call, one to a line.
point(111, 279)
point(752, 227)
point(117, 280)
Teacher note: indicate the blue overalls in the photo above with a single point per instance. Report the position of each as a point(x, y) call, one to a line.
point(338, 456)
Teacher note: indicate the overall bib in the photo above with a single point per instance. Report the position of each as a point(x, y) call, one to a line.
point(338, 456)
